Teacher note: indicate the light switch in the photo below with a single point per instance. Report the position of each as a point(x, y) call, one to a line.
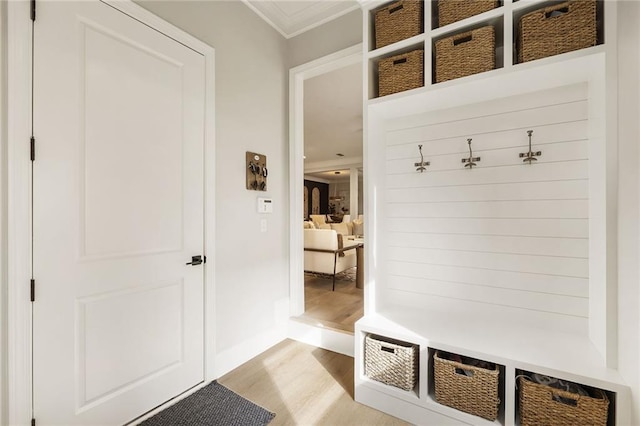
point(263, 225)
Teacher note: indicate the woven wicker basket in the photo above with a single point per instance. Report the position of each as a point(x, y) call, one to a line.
point(401, 72)
point(391, 362)
point(475, 394)
point(557, 29)
point(398, 21)
point(544, 405)
point(450, 11)
point(464, 54)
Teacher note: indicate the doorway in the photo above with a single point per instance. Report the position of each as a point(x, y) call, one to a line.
point(326, 149)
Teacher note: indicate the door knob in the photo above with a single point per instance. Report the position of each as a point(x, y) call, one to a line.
point(197, 260)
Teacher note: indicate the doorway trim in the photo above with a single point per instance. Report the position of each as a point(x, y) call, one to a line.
point(343, 58)
point(18, 122)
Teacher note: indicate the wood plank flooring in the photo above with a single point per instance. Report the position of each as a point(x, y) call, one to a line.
point(304, 385)
point(338, 309)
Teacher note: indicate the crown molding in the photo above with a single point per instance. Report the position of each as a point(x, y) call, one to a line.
point(291, 25)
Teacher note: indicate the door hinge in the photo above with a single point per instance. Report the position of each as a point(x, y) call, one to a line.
point(33, 10)
point(33, 290)
point(33, 148)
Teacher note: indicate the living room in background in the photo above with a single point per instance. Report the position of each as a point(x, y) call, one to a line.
point(326, 144)
point(333, 158)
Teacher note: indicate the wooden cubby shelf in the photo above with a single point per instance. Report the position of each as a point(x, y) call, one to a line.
point(503, 18)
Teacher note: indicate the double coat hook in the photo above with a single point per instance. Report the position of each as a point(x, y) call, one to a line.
point(471, 160)
point(530, 156)
point(420, 167)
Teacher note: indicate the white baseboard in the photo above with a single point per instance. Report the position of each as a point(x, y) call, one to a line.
point(332, 340)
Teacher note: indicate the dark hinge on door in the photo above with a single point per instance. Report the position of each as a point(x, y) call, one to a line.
point(33, 148)
point(33, 290)
point(33, 10)
point(33, 422)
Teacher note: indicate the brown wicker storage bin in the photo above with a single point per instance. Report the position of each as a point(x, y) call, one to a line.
point(542, 405)
point(464, 54)
point(450, 11)
point(398, 21)
point(401, 72)
point(557, 29)
point(391, 362)
point(475, 394)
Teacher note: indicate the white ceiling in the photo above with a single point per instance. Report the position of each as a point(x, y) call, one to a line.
point(293, 17)
point(333, 117)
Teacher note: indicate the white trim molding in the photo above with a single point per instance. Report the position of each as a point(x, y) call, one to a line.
point(315, 13)
point(19, 212)
point(297, 76)
point(19, 342)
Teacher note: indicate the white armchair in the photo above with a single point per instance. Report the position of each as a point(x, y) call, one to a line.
point(322, 254)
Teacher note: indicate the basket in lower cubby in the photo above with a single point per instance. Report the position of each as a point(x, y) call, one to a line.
point(391, 362)
point(473, 389)
point(553, 402)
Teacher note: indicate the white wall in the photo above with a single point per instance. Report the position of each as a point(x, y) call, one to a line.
point(628, 199)
point(3, 218)
point(343, 32)
point(251, 83)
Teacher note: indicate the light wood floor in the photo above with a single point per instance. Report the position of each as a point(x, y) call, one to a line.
point(338, 309)
point(304, 385)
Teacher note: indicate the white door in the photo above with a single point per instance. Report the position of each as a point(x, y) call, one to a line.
point(118, 212)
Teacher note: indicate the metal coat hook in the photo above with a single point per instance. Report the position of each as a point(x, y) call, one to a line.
point(530, 156)
point(471, 160)
point(420, 167)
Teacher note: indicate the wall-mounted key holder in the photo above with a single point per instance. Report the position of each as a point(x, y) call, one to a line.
point(256, 170)
point(471, 160)
point(531, 155)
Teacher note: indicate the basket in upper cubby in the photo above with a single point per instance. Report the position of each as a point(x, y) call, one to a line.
point(468, 388)
point(544, 405)
point(450, 11)
point(398, 21)
point(401, 72)
point(391, 362)
point(557, 29)
point(464, 54)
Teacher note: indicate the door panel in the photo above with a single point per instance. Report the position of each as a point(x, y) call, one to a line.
point(106, 366)
point(118, 211)
point(121, 81)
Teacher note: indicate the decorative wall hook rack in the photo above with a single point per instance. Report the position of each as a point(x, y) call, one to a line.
point(531, 155)
point(421, 166)
point(256, 171)
point(471, 160)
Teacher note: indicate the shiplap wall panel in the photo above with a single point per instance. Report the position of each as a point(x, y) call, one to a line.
point(568, 305)
point(545, 209)
point(542, 190)
point(484, 174)
point(560, 152)
point(543, 135)
point(491, 124)
point(558, 228)
point(560, 247)
point(564, 94)
point(504, 233)
point(551, 265)
point(538, 282)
